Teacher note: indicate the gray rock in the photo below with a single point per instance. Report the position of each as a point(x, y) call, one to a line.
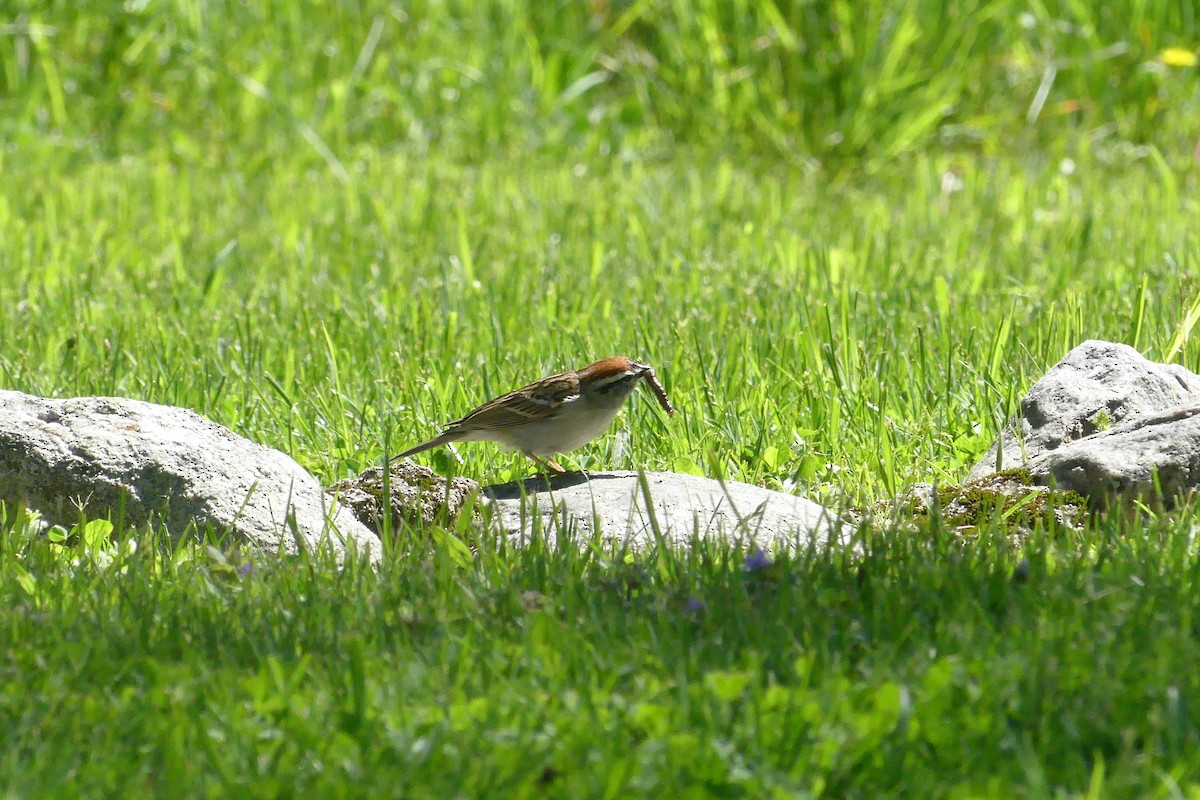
point(1095, 387)
point(612, 505)
point(1153, 455)
point(159, 464)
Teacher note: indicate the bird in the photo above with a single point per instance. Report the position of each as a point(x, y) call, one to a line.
point(554, 415)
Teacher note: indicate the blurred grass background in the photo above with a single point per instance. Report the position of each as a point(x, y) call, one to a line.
point(840, 83)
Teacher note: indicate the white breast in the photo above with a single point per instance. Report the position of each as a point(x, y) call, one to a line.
point(572, 428)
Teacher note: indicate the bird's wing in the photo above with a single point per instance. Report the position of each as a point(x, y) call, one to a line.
point(527, 404)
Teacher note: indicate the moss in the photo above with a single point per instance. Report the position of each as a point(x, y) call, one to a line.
point(419, 496)
point(1009, 497)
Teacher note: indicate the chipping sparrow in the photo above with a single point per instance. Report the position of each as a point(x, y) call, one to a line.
point(554, 415)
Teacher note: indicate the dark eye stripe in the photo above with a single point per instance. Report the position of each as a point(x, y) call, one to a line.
point(623, 381)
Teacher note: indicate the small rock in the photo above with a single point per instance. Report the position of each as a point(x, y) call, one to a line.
point(419, 495)
point(1011, 497)
point(1015, 498)
point(103, 456)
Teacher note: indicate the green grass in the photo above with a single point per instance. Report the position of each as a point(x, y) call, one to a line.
point(847, 257)
point(923, 668)
point(854, 334)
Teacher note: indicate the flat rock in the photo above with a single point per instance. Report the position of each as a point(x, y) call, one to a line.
point(163, 465)
point(612, 506)
point(1096, 387)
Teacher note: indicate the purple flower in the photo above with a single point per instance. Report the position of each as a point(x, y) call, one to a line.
point(247, 569)
point(757, 561)
point(694, 605)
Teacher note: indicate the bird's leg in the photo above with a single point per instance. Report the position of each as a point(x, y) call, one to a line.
point(548, 464)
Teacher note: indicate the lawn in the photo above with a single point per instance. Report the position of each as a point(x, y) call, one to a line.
point(848, 246)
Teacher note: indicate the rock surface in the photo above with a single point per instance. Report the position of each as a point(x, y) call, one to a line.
point(419, 495)
point(1153, 455)
point(1093, 390)
point(1105, 421)
point(159, 464)
point(684, 507)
